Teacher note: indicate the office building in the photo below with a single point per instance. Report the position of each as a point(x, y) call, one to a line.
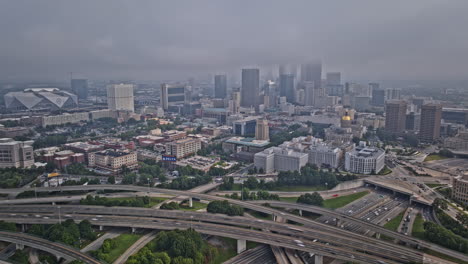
point(324, 155)
point(245, 127)
point(395, 116)
point(313, 94)
point(262, 130)
point(113, 161)
point(460, 189)
point(31, 99)
point(80, 88)
point(458, 143)
point(173, 96)
point(220, 86)
point(455, 115)
point(333, 78)
point(16, 154)
point(429, 129)
point(365, 160)
point(286, 87)
point(183, 147)
point(378, 96)
point(393, 94)
point(120, 97)
point(311, 77)
point(279, 159)
point(250, 89)
point(334, 86)
point(413, 121)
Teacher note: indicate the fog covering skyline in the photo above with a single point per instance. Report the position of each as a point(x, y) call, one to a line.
point(157, 40)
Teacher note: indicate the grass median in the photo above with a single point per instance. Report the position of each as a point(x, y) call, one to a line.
point(341, 201)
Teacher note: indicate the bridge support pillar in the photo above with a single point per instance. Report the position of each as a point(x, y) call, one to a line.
point(133, 230)
point(190, 202)
point(318, 259)
point(300, 212)
point(53, 203)
point(23, 228)
point(377, 235)
point(274, 218)
point(101, 228)
point(241, 245)
point(19, 247)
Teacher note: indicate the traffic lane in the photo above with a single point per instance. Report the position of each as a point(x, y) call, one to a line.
point(212, 229)
point(377, 247)
point(335, 239)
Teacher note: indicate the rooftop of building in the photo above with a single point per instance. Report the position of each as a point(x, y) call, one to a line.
point(83, 145)
point(113, 153)
point(248, 142)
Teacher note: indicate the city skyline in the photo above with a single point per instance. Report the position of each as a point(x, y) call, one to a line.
point(364, 39)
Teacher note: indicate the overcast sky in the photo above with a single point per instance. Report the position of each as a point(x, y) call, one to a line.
point(151, 39)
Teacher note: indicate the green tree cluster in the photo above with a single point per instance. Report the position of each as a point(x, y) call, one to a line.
point(223, 207)
point(17, 177)
point(50, 141)
point(170, 206)
point(444, 237)
point(67, 232)
point(312, 199)
point(309, 175)
point(185, 182)
point(452, 224)
point(6, 226)
point(104, 201)
point(78, 169)
point(175, 247)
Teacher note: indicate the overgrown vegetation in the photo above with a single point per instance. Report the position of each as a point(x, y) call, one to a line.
point(67, 232)
point(17, 177)
point(311, 199)
point(223, 207)
point(111, 249)
point(141, 201)
point(175, 247)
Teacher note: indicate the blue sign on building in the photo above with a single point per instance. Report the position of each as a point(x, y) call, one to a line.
point(169, 158)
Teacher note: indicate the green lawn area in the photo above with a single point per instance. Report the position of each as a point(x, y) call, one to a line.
point(395, 222)
point(418, 227)
point(343, 200)
point(385, 171)
point(433, 185)
point(443, 256)
point(196, 206)
point(289, 199)
point(432, 157)
point(123, 242)
point(292, 188)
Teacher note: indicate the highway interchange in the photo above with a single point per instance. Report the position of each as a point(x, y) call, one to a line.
point(334, 242)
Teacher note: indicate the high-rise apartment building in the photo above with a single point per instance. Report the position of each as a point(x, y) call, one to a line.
point(173, 95)
point(80, 88)
point(286, 87)
point(17, 154)
point(395, 116)
point(262, 131)
point(220, 86)
point(429, 129)
point(183, 147)
point(250, 88)
point(120, 97)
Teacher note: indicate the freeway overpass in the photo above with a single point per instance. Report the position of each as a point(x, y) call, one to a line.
point(255, 207)
point(372, 246)
point(46, 245)
point(238, 233)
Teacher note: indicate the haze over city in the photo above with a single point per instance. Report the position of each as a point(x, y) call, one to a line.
point(158, 40)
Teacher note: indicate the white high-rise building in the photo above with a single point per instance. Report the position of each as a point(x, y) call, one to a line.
point(120, 97)
point(365, 160)
point(280, 159)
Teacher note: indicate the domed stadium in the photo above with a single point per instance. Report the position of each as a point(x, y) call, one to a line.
point(40, 99)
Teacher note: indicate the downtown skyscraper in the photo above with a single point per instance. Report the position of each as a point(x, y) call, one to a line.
point(250, 88)
point(220, 87)
point(311, 73)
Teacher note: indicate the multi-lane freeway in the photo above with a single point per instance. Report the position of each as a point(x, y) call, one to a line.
point(354, 243)
point(46, 245)
point(306, 222)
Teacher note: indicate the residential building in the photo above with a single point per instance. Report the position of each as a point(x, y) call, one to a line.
point(395, 116)
point(429, 129)
point(17, 154)
point(120, 97)
point(183, 147)
point(365, 160)
point(220, 89)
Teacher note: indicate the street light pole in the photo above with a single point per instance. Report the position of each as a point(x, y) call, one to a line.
point(148, 179)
